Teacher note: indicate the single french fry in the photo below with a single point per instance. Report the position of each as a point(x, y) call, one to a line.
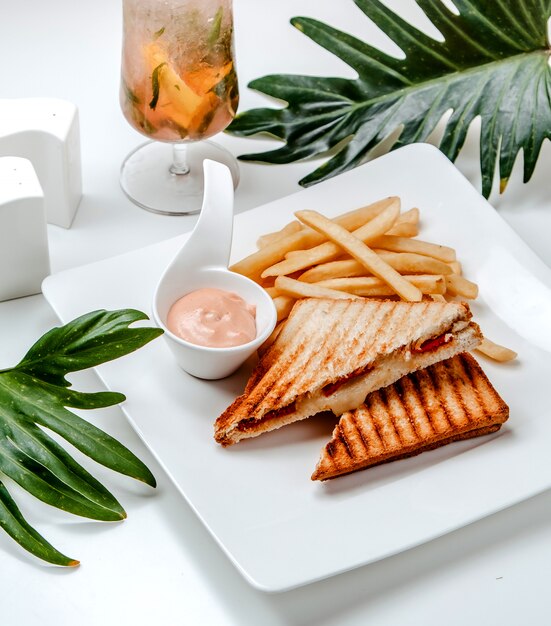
point(404, 244)
point(266, 282)
point(455, 267)
point(495, 351)
point(289, 229)
point(264, 347)
point(273, 292)
point(411, 263)
point(459, 286)
point(254, 264)
point(405, 229)
point(409, 217)
point(283, 305)
point(406, 225)
point(295, 289)
point(403, 262)
point(371, 286)
point(329, 250)
point(343, 268)
point(362, 253)
point(437, 297)
point(298, 253)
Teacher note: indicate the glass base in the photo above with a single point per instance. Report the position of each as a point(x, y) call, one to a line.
point(147, 180)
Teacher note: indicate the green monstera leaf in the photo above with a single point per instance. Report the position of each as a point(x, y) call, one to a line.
point(493, 62)
point(34, 396)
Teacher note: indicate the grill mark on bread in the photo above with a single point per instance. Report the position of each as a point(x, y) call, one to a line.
point(365, 426)
point(330, 448)
point(486, 393)
point(326, 343)
point(434, 381)
point(400, 391)
point(333, 339)
point(385, 397)
point(280, 385)
point(482, 410)
point(407, 425)
point(468, 373)
point(339, 470)
point(376, 429)
point(309, 368)
point(461, 376)
point(344, 441)
point(420, 391)
point(280, 377)
point(359, 430)
point(464, 361)
point(421, 319)
point(395, 315)
point(384, 427)
point(226, 433)
point(387, 314)
point(353, 437)
point(416, 390)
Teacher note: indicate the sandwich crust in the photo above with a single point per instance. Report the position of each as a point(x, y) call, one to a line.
point(446, 402)
point(327, 341)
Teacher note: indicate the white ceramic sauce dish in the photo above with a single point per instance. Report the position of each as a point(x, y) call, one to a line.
point(203, 262)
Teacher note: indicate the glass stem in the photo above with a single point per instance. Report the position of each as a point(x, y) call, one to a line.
point(179, 159)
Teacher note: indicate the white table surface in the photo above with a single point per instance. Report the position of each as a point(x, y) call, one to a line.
point(160, 566)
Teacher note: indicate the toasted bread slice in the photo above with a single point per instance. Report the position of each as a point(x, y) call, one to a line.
point(332, 353)
point(445, 402)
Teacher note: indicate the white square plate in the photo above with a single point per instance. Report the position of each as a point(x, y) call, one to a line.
point(280, 529)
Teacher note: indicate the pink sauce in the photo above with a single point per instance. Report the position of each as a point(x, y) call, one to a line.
point(213, 317)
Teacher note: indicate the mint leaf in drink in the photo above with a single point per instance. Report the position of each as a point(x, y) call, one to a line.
point(214, 33)
point(155, 85)
point(129, 94)
point(158, 33)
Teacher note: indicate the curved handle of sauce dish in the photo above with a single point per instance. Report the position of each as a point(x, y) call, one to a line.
point(210, 242)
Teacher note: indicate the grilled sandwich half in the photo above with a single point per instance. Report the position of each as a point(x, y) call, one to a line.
point(332, 353)
point(445, 402)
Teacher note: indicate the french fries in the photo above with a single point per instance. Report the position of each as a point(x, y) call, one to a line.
point(283, 305)
point(362, 253)
point(368, 252)
point(289, 229)
point(330, 250)
point(403, 262)
point(409, 217)
point(495, 351)
point(455, 267)
point(254, 265)
point(459, 286)
point(405, 244)
point(292, 288)
point(375, 287)
point(404, 230)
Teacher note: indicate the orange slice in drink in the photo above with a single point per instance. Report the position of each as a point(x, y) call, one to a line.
point(203, 79)
point(175, 100)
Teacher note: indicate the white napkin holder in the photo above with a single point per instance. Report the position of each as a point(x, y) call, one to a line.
point(24, 256)
point(46, 131)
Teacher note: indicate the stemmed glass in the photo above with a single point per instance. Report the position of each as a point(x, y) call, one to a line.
point(178, 87)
